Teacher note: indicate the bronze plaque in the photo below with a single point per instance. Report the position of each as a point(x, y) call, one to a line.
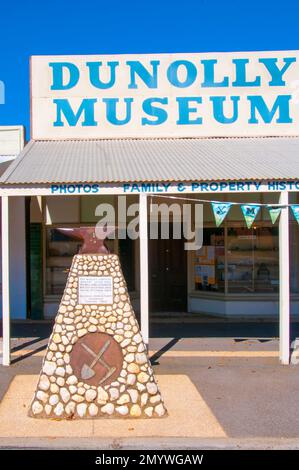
point(96, 359)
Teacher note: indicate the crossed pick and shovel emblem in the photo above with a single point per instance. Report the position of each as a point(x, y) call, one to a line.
point(87, 370)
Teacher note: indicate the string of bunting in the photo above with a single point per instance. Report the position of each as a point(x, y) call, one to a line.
point(250, 211)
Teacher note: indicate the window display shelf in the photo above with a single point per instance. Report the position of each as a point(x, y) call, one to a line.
point(248, 263)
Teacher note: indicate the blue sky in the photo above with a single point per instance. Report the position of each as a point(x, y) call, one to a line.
point(132, 26)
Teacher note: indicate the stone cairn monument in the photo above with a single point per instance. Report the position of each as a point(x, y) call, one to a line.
point(96, 364)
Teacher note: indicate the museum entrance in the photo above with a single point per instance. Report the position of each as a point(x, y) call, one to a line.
point(167, 274)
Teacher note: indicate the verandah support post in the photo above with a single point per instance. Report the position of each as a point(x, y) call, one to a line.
point(5, 281)
point(143, 230)
point(284, 282)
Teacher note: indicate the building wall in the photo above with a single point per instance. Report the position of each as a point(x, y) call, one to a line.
point(12, 141)
point(11, 144)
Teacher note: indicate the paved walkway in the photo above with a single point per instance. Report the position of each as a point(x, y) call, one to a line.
point(224, 391)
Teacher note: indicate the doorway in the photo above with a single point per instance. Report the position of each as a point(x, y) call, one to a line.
point(167, 274)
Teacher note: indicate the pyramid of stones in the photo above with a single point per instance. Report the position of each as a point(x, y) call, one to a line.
point(96, 363)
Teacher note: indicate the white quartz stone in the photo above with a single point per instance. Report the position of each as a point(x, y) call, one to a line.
point(160, 410)
point(60, 371)
point(49, 367)
point(48, 409)
point(58, 410)
point(155, 399)
point(151, 388)
point(131, 379)
point(54, 399)
point(133, 394)
point(102, 395)
point(144, 398)
point(42, 396)
point(149, 411)
point(78, 398)
point(73, 389)
point(135, 411)
point(36, 407)
point(54, 388)
point(81, 409)
point(65, 394)
point(141, 358)
point(70, 408)
point(114, 393)
point(60, 381)
point(82, 332)
point(108, 409)
point(130, 357)
point(137, 338)
point(72, 380)
point(65, 340)
point(92, 329)
point(125, 398)
point(90, 395)
point(122, 410)
point(44, 383)
point(93, 409)
point(141, 347)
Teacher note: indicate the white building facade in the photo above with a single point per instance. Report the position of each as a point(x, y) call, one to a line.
point(193, 128)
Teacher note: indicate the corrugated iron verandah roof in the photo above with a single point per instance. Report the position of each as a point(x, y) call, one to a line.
point(153, 160)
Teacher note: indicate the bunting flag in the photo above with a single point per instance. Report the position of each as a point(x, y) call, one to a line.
point(274, 213)
point(295, 209)
point(220, 210)
point(250, 212)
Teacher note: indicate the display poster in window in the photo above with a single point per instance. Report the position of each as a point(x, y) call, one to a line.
point(205, 266)
point(205, 274)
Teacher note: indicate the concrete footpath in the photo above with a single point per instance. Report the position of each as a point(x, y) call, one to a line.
point(221, 392)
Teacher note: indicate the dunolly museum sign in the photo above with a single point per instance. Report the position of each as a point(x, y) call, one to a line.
point(165, 95)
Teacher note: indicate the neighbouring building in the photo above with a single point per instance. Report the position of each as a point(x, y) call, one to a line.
point(12, 141)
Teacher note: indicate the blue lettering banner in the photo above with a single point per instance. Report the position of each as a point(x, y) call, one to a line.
point(231, 94)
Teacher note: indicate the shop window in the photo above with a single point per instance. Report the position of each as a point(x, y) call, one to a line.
point(294, 258)
point(252, 260)
point(60, 250)
point(209, 267)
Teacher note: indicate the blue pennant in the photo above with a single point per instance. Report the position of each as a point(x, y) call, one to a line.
point(250, 212)
point(220, 211)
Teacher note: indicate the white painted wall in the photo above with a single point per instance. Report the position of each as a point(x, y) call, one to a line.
point(11, 141)
point(253, 308)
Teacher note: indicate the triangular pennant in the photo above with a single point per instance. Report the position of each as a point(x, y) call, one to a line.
point(295, 209)
point(220, 210)
point(250, 212)
point(274, 213)
point(96, 363)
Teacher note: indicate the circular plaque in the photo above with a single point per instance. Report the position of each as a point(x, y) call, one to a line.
point(96, 359)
